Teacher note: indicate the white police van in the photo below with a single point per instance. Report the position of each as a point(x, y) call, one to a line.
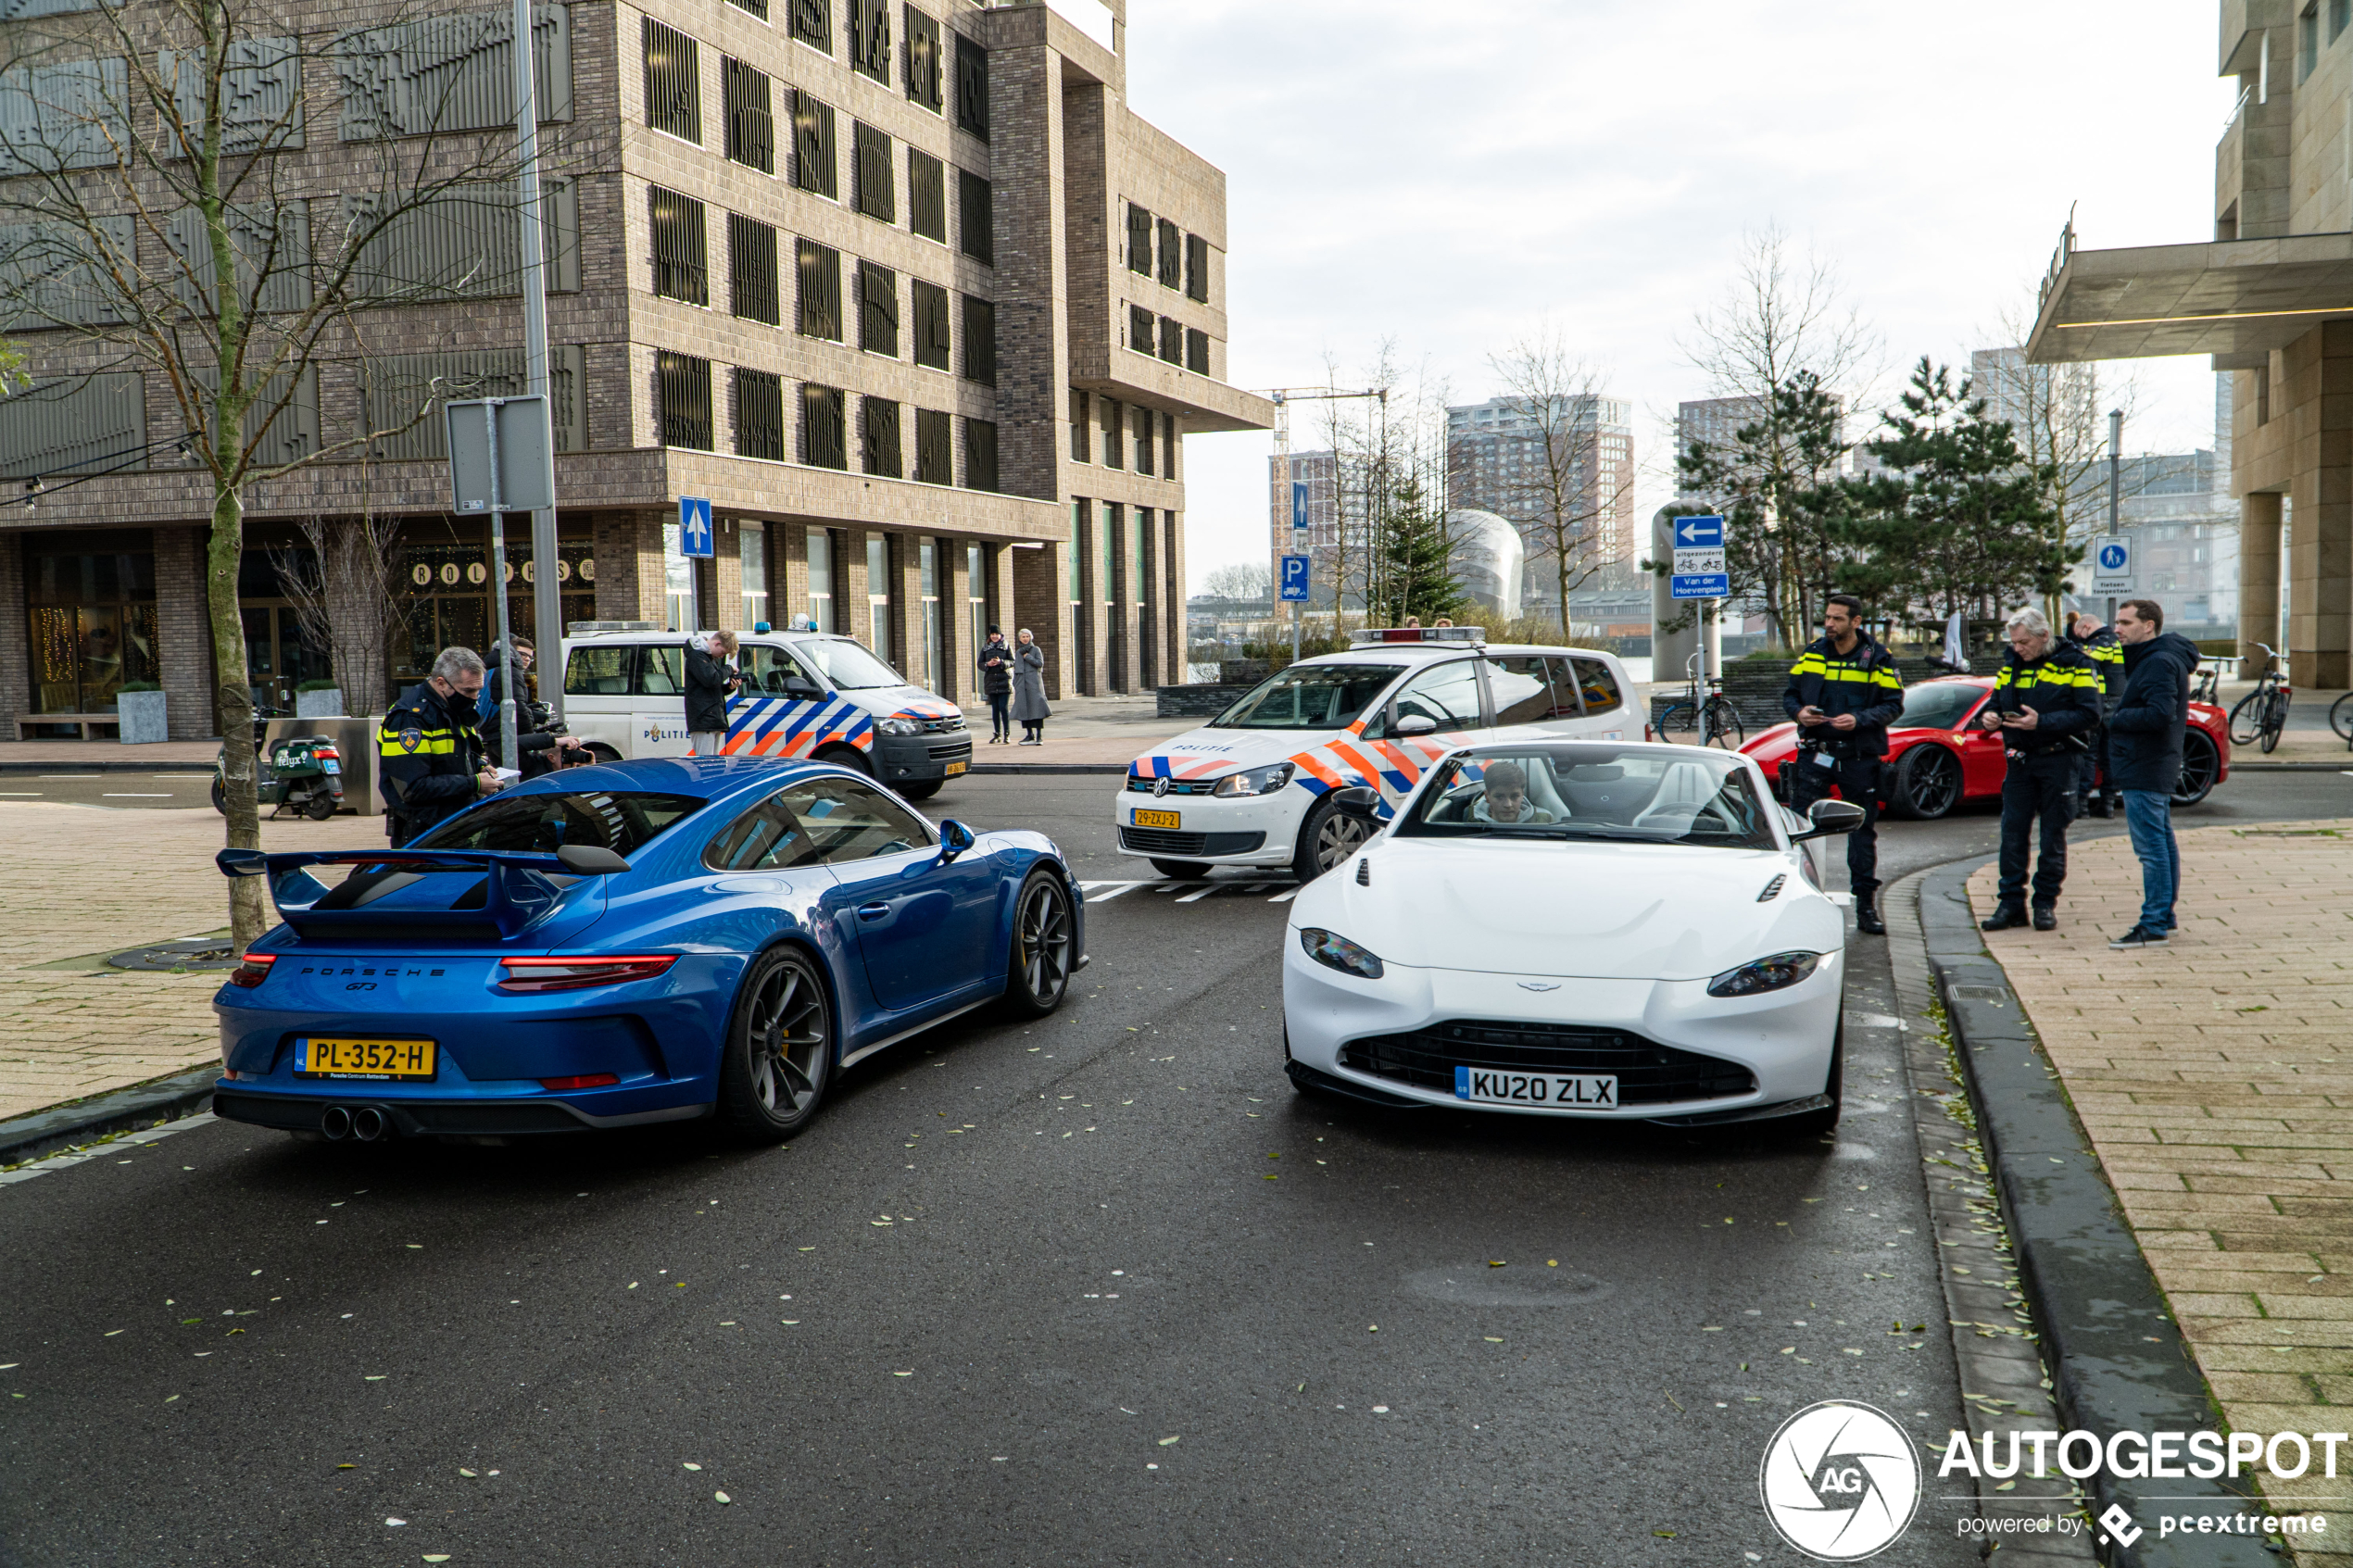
point(804, 694)
point(1253, 786)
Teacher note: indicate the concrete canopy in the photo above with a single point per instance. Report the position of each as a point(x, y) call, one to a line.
point(2235, 299)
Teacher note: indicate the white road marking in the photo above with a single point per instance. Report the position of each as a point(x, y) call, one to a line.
point(1207, 888)
point(31, 792)
point(137, 795)
point(112, 1145)
point(1117, 889)
point(1284, 897)
point(85, 778)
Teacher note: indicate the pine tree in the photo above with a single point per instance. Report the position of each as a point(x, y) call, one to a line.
point(1416, 576)
point(1786, 514)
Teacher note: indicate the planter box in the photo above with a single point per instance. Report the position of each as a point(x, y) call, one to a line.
point(141, 717)
point(319, 705)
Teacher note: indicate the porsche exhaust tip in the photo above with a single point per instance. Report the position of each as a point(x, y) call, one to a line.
point(368, 1123)
point(335, 1121)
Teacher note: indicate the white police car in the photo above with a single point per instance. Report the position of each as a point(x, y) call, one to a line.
point(1252, 787)
point(804, 694)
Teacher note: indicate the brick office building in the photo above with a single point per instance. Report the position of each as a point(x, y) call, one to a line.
point(904, 289)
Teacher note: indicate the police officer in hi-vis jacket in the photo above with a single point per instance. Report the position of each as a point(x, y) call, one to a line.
point(1844, 692)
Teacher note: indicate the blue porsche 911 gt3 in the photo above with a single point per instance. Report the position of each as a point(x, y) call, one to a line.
point(638, 942)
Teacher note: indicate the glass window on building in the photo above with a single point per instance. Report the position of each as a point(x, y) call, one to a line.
point(754, 553)
point(927, 573)
point(90, 607)
point(976, 596)
point(678, 581)
point(878, 593)
point(821, 579)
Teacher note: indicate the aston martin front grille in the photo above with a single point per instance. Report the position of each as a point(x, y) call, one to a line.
point(1648, 1072)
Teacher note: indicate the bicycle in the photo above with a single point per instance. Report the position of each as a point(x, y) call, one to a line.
point(1713, 717)
point(2261, 714)
point(2204, 682)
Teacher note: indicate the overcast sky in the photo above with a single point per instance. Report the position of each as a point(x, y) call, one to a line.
point(1451, 176)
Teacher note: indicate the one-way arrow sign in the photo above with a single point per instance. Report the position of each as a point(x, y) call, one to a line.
point(1699, 533)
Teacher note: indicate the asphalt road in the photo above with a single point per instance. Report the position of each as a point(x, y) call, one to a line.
point(1022, 1294)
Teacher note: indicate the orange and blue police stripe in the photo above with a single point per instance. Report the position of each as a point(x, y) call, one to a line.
point(791, 727)
point(1391, 767)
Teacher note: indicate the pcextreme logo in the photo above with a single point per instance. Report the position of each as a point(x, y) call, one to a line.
point(1840, 1481)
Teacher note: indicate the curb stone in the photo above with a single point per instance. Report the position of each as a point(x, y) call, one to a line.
point(43, 1133)
point(2117, 1357)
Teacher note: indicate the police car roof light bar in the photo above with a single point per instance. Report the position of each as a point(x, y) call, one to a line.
point(1372, 634)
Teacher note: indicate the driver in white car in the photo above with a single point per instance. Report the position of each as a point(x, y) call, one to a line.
point(1505, 800)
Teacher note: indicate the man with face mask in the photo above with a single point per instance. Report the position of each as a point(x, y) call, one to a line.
point(429, 759)
point(1844, 692)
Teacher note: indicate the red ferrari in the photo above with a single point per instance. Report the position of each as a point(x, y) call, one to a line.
point(1936, 762)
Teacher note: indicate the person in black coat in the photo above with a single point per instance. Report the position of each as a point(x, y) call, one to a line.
point(2046, 701)
point(2144, 758)
point(710, 680)
point(536, 750)
point(996, 684)
point(429, 759)
point(1844, 692)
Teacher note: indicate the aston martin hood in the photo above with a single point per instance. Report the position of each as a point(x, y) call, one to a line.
point(1584, 910)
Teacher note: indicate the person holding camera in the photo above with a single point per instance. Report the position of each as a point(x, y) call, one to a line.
point(1844, 692)
point(711, 681)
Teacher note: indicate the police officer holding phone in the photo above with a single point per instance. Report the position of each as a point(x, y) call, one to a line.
point(1844, 692)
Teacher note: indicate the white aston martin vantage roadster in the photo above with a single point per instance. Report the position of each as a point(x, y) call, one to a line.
point(1562, 928)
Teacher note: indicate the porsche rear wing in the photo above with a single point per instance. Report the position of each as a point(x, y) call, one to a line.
point(516, 888)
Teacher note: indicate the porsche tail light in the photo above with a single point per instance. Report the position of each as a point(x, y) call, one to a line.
point(579, 974)
point(583, 1080)
point(252, 970)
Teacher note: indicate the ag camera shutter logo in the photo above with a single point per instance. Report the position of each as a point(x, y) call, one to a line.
point(1840, 1481)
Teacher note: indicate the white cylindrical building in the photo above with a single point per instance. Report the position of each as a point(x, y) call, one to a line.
point(1488, 560)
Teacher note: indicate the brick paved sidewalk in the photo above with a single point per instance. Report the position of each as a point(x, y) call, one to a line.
point(78, 881)
point(2215, 1077)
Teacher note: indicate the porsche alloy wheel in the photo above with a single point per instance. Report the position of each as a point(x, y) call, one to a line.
point(1928, 783)
point(2200, 764)
point(1329, 837)
point(1038, 973)
point(780, 1049)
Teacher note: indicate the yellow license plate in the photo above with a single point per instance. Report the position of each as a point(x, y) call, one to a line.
point(955, 768)
point(363, 1059)
point(1155, 819)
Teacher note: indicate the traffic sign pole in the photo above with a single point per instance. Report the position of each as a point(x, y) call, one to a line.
point(509, 750)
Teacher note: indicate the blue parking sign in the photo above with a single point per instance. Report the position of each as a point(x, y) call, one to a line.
point(1294, 586)
point(694, 528)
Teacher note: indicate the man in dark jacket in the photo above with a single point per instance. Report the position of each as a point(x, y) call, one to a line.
point(2095, 794)
point(1844, 692)
point(2046, 700)
point(429, 760)
point(533, 745)
point(2144, 758)
point(709, 680)
point(996, 684)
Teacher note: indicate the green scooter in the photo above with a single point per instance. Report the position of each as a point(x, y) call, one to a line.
point(301, 772)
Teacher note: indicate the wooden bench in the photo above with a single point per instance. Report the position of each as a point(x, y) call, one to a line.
point(80, 721)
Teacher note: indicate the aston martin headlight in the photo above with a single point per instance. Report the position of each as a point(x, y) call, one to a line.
point(900, 726)
point(1255, 781)
point(1339, 952)
point(1765, 974)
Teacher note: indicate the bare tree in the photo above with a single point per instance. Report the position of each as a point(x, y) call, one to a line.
point(1563, 501)
point(1782, 336)
point(185, 209)
point(348, 598)
point(1244, 582)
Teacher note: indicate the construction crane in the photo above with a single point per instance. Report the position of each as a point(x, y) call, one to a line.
point(1278, 520)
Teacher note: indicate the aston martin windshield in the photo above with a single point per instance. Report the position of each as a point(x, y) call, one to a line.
point(1309, 696)
point(1636, 795)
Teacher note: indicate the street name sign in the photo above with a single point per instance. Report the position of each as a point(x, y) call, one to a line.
point(1699, 566)
point(2112, 565)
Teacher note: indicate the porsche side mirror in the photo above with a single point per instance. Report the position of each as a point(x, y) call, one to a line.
point(1832, 817)
point(954, 839)
point(242, 862)
point(1416, 724)
point(1358, 801)
point(590, 859)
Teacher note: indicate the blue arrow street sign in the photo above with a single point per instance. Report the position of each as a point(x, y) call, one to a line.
point(1699, 533)
point(1712, 585)
point(1294, 589)
point(694, 527)
point(1299, 503)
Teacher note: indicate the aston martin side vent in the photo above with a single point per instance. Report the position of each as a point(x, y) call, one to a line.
point(1773, 889)
point(1364, 872)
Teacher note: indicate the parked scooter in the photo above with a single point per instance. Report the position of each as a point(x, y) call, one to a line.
point(301, 772)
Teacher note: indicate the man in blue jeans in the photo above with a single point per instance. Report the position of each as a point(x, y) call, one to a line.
point(2144, 758)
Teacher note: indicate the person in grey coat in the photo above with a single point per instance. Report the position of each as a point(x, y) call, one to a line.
point(1029, 689)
